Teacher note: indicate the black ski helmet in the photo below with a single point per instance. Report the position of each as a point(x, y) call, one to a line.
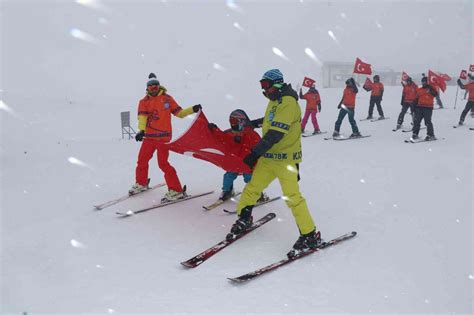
point(238, 119)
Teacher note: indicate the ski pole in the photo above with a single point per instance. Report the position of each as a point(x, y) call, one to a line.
point(455, 102)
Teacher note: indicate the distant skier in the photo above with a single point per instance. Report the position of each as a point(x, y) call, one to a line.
point(313, 106)
point(154, 125)
point(376, 96)
point(408, 100)
point(424, 109)
point(347, 107)
point(278, 155)
point(239, 140)
point(469, 87)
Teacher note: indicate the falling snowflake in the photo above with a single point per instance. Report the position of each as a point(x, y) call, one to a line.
point(218, 67)
point(77, 244)
point(279, 53)
point(331, 34)
point(233, 6)
point(81, 35)
point(77, 162)
point(237, 26)
point(312, 55)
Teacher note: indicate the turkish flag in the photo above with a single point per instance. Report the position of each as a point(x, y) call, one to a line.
point(437, 80)
point(405, 76)
point(463, 75)
point(446, 77)
point(308, 82)
point(367, 84)
point(198, 141)
point(362, 67)
point(471, 68)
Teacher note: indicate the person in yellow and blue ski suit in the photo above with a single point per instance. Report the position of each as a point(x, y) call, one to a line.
point(277, 155)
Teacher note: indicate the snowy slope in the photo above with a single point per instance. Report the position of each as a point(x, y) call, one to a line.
point(411, 205)
point(61, 152)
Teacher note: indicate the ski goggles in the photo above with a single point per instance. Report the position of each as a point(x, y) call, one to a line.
point(266, 84)
point(236, 124)
point(153, 88)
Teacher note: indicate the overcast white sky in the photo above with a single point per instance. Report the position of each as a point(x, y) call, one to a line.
point(191, 43)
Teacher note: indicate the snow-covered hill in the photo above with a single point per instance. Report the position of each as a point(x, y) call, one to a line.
point(62, 152)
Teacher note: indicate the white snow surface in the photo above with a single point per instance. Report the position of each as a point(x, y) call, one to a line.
point(62, 152)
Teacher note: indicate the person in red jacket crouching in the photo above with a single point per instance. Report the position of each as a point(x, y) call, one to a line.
point(239, 140)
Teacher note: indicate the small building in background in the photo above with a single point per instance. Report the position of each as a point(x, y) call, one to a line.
point(335, 74)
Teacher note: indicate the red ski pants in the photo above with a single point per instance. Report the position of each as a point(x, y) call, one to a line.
point(147, 150)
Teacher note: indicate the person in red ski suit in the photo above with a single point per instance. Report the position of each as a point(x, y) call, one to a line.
point(313, 106)
point(155, 129)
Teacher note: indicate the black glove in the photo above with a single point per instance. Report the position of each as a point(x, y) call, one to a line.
point(211, 126)
point(319, 107)
point(339, 106)
point(197, 108)
point(237, 139)
point(251, 159)
point(459, 81)
point(139, 136)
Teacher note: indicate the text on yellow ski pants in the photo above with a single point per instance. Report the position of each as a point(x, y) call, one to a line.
point(264, 173)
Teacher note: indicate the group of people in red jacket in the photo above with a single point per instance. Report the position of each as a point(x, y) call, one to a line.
point(154, 130)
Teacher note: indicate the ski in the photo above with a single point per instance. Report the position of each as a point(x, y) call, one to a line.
point(208, 253)
point(458, 126)
point(219, 202)
point(115, 201)
point(259, 272)
point(410, 130)
point(258, 204)
point(421, 140)
point(365, 119)
point(160, 205)
point(378, 119)
point(306, 135)
point(350, 138)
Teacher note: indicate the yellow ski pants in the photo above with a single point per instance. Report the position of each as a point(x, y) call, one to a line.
point(263, 174)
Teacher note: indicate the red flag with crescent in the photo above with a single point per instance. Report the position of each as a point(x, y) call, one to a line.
point(308, 82)
point(446, 77)
point(199, 142)
point(437, 80)
point(362, 67)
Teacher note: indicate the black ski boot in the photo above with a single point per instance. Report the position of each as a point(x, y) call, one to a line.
point(244, 221)
point(263, 198)
point(226, 195)
point(305, 243)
